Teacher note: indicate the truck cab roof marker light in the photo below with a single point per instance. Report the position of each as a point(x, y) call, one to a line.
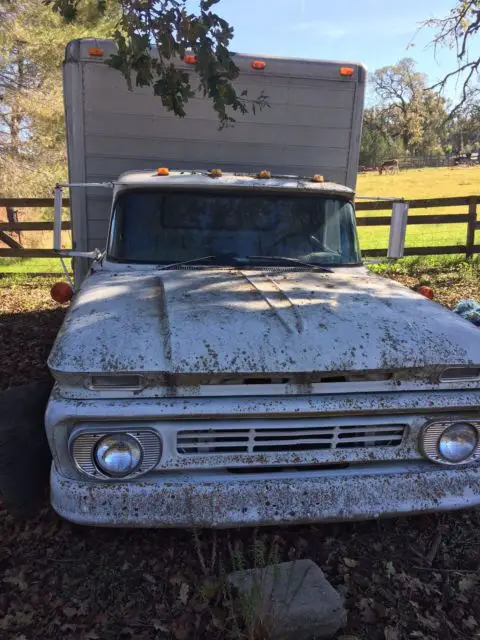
point(264, 174)
point(215, 173)
point(346, 71)
point(258, 65)
point(95, 52)
point(190, 58)
point(163, 171)
point(317, 178)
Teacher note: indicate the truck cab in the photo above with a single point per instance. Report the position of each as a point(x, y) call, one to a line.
point(229, 361)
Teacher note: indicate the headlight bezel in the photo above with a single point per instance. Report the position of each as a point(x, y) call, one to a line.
point(84, 439)
point(433, 431)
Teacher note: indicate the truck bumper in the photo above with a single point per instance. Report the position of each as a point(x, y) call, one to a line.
point(197, 501)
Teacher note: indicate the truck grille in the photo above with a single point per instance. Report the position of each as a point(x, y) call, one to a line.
point(277, 439)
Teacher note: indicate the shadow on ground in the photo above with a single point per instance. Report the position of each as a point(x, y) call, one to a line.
point(25, 342)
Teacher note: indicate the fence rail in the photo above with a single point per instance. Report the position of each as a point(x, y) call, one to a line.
point(470, 218)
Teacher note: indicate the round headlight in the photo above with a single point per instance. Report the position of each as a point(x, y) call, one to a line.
point(118, 455)
point(458, 442)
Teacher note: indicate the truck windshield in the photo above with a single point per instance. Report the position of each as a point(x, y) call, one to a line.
point(154, 227)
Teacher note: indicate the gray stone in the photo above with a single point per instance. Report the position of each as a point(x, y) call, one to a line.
point(291, 600)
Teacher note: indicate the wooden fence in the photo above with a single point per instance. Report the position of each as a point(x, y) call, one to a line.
point(16, 250)
point(469, 218)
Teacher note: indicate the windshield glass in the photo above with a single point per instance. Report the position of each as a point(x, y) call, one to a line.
point(157, 227)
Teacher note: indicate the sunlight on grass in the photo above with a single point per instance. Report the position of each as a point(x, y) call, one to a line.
point(413, 184)
point(441, 182)
point(30, 265)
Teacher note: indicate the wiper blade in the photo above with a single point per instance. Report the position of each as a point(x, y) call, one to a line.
point(218, 258)
point(286, 259)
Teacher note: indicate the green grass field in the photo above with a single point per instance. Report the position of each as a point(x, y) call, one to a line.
point(412, 184)
point(409, 184)
point(30, 265)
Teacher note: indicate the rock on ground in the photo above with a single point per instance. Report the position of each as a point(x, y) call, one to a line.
point(291, 600)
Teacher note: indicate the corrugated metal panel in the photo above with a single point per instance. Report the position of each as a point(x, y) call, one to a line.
point(117, 126)
point(280, 91)
point(203, 154)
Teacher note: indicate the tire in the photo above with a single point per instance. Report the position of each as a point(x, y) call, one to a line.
point(25, 457)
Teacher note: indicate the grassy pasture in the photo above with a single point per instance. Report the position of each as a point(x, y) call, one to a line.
point(413, 184)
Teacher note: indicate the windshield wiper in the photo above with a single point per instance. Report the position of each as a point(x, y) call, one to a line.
point(232, 260)
point(219, 258)
point(301, 263)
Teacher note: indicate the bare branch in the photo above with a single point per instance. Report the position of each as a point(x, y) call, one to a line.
point(456, 30)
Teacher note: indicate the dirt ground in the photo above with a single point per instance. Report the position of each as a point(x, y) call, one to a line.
point(404, 578)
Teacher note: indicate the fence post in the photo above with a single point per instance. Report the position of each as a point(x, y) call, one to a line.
point(471, 226)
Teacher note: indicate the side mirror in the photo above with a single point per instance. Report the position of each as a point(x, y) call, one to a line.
point(398, 229)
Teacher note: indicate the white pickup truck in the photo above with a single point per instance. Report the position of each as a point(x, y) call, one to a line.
point(227, 360)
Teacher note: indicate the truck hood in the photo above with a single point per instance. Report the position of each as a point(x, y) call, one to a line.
point(250, 321)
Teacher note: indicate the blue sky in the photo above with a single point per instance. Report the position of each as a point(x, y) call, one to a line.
point(375, 32)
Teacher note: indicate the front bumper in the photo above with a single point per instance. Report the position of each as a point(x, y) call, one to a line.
point(202, 500)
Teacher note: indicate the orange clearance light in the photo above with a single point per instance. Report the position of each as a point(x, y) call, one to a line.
point(258, 65)
point(215, 173)
point(346, 71)
point(163, 171)
point(264, 175)
point(95, 52)
point(318, 178)
point(61, 292)
point(189, 58)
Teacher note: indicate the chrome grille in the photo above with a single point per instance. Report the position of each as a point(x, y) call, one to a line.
point(82, 447)
point(288, 438)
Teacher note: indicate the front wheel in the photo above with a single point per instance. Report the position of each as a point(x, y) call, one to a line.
point(24, 452)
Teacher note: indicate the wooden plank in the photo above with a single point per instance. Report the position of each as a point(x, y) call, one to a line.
point(472, 224)
point(424, 203)
point(32, 226)
point(28, 253)
point(445, 218)
point(441, 218)
point(10, 242)
point(373, 206)
point(25, 203)
point(376, 221)
point(427, 203)
point(421, 251)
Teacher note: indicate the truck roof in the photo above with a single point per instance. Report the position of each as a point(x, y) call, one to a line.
point(203, 179)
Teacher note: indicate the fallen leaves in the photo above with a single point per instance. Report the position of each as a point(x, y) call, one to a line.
point(60, 580)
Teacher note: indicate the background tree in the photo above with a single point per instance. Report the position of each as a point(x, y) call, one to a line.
point(32, 137)
point(411, 111)
point(377, 142)
point(408, 116)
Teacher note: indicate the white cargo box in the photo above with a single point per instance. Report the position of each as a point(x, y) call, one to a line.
point(313, 125)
